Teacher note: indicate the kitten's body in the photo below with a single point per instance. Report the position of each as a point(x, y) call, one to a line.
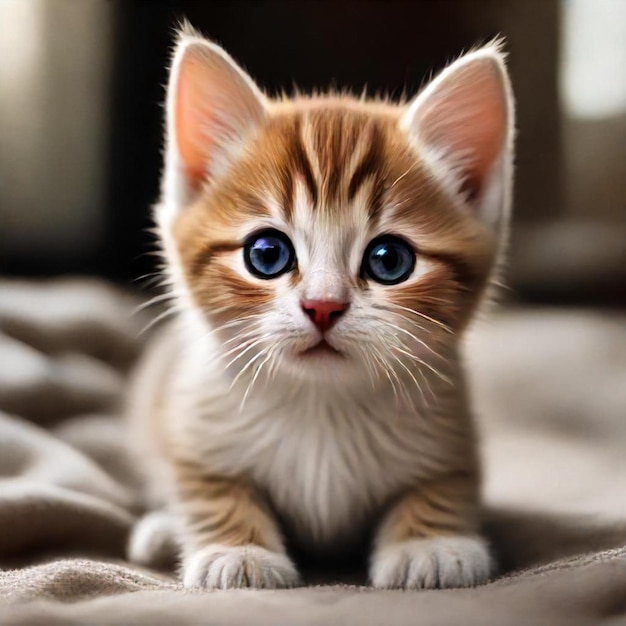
point(329, 460)
point(255, 431)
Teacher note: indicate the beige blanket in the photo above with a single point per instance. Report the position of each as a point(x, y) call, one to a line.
point(550, 391)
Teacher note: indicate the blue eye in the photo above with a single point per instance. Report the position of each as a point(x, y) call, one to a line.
point(388, 260)
point(268, 254)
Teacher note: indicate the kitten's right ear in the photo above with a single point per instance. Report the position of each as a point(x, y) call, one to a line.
point(212, 107)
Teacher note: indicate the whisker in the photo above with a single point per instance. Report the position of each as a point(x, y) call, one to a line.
point(386, 368)
point(419, 327)
point(250, 362)
point(435, 371)
point(231, 324)
point(159, 318)
point(152, 301)
point(253, 329)
point(278, 350)
point(416, 339)
point(154, 280)
point(259, 367)
point(422, 315)
point(410, 373)
point(240, 346)
point(246, 350)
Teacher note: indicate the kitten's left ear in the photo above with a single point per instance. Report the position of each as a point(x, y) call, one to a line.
point(212, 108)
point(463, 123)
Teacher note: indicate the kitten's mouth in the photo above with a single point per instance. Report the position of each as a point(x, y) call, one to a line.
point(322, 348)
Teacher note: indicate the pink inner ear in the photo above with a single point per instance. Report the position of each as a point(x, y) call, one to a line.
point(214, 107)
point(466, 117)
point(193, 117)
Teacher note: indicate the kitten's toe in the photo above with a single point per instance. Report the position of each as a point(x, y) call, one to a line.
point(227, 567)
point(431, 563)
point(153, 541)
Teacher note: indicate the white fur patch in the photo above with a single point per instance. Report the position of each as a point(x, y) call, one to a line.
point(441, 562)
point(225, 567)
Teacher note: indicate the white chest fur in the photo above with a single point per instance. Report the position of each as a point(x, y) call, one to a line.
point(328, 460)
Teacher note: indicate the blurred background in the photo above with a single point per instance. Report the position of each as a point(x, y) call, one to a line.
point(81, 91)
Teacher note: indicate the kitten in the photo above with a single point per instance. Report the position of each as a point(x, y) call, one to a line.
point(326, 254)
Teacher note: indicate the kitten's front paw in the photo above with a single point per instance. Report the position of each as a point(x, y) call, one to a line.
point(431, 563)
point(227, 567)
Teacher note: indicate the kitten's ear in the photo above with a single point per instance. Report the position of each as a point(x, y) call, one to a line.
point(212, 106)
point(463, 122)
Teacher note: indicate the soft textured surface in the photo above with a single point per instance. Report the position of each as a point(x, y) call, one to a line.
point(550, 395)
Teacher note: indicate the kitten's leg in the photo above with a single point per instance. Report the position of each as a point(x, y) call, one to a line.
point(430, 539)
point(230, 537)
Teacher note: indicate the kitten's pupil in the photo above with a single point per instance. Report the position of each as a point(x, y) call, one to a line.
point(266, 252)
point(388, 257)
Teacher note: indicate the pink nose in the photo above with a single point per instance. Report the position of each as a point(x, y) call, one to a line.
point(324, 313)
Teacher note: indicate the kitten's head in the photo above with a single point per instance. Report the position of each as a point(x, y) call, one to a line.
point(332, 236)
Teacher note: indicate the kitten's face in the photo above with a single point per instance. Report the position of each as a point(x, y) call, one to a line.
point(329, 204)
point(319, 242)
